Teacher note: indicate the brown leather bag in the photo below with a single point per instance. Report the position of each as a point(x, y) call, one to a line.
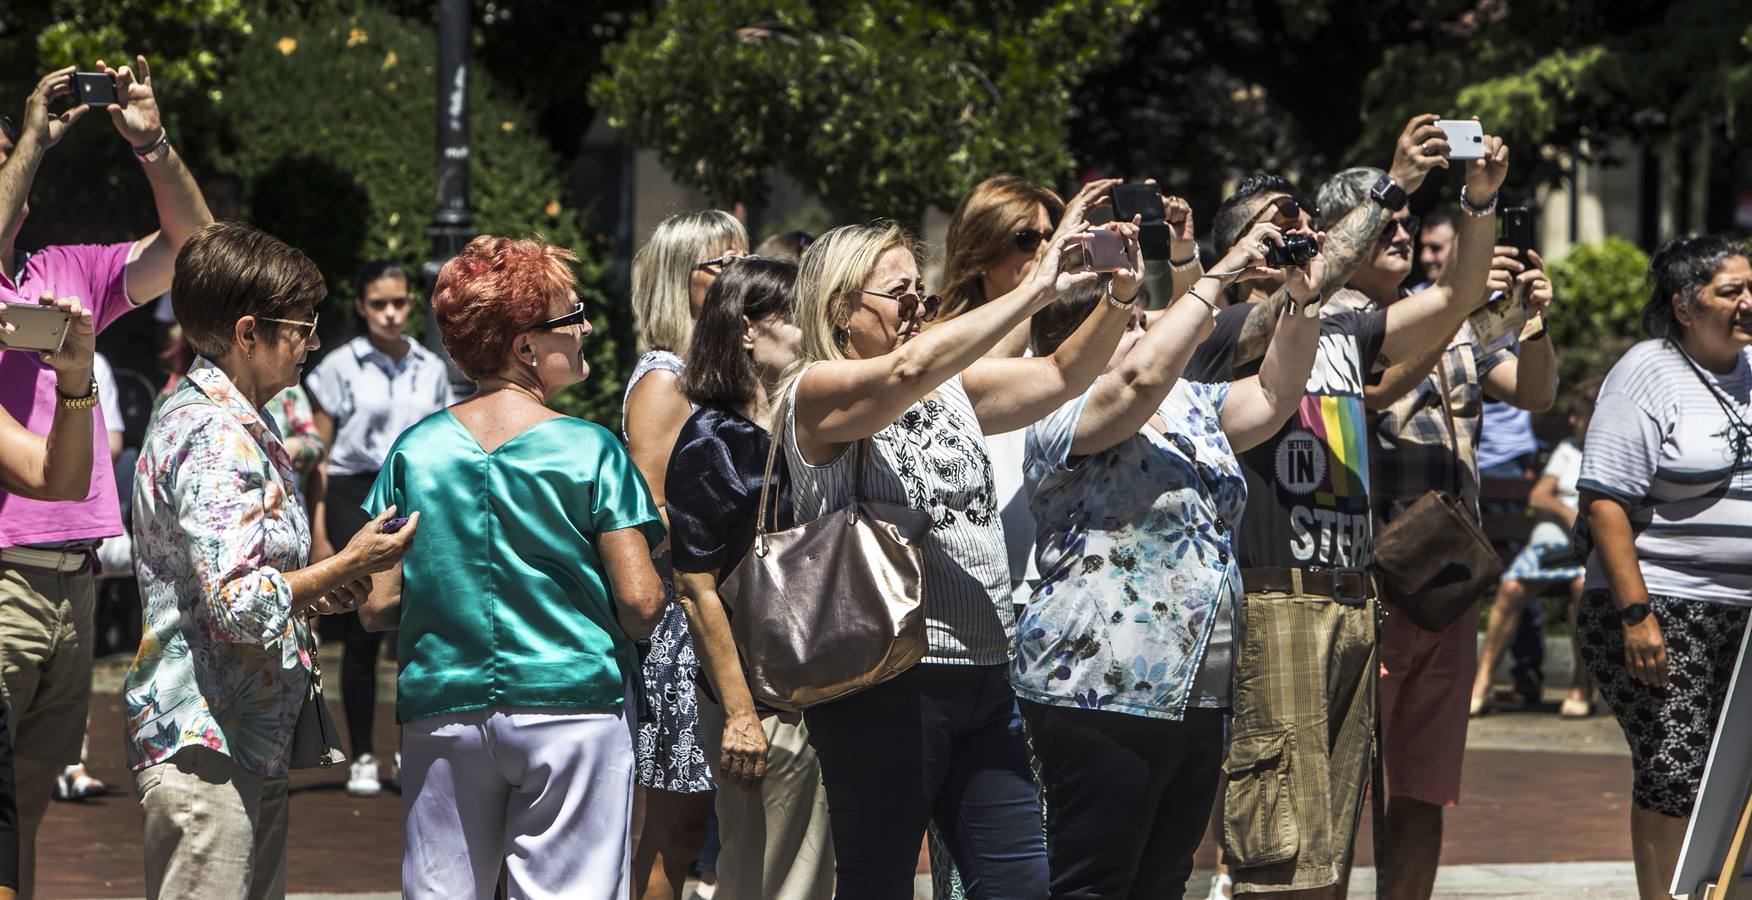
point(830, 607)
point(1433, 560)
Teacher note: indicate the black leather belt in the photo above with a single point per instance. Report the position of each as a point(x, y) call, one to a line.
point(1348, 586)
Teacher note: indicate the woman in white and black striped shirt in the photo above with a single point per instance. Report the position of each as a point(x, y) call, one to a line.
point(1666, 488)
point(937, 741)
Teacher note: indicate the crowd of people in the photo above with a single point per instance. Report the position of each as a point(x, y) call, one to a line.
point(1148, 599)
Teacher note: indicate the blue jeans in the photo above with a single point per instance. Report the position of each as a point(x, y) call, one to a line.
point(938, 743)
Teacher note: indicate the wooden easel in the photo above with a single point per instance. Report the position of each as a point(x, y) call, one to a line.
point(1732, 886)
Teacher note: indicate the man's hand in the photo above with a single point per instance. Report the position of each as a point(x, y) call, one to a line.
point(1178, 214)
point(1484, 176)
point(1421, 147)
point(47, 126)
point(1505, 269)
point(1537, 286)
point(1303, 282)
point(72, 363)
point(136, 117)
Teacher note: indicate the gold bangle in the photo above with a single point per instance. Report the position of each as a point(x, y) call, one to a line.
point(76, 403)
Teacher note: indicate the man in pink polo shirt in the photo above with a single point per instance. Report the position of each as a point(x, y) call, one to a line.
point(47, 591)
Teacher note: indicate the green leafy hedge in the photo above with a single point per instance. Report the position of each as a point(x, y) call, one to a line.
point(1597, 314)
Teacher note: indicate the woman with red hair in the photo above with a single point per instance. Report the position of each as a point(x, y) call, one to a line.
point(519, 603)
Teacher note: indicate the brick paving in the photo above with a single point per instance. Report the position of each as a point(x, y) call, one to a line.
point(1517, 807)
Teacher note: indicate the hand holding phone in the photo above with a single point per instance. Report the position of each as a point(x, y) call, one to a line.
point(95, 88)
point(29, 326)
point(1103, 250)
point(394, 525)
point(1143, 202)
point(1465, 138)
point(1517, 230)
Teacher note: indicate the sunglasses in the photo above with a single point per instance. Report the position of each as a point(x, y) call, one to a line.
point(1028, 239)
point(1411, 223)
point(574, 317)
point(1285, 211)
point(912, 304)
point(714, 266)
point(310, 326)
point(379, 304)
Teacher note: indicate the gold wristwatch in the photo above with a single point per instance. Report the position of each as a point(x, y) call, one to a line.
point(86, 402)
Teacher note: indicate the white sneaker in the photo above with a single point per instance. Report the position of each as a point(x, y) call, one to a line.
point(395, 774)
point(1221, 888)
point(362, 779)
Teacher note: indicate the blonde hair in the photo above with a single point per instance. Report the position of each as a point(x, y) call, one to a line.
point(663, 268)
point(982, 232)
point(832, 271)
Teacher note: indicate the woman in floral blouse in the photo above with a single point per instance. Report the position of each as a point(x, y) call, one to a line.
point(215, 690)
point(1122, 654)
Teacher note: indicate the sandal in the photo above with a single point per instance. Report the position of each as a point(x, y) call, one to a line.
point(74, 783)
point(1480, 706)
point(1575, 708)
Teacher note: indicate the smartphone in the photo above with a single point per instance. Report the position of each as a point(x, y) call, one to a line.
point(1465, 138)
point(95, 88)
point(1103, 250)
point(1145, 201)
point(1517, 230)
point(36, 327)
point(394, 525)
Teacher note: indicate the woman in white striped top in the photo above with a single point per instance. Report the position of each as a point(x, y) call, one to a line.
point(937, 742)
point(1666, 489)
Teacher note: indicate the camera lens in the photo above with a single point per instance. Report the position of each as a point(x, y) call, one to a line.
point(1298, 250)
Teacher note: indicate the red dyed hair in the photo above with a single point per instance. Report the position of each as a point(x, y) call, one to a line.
point(494, 290)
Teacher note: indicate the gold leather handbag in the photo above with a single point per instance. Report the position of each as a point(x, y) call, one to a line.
point(828, 608)
point(316, 742)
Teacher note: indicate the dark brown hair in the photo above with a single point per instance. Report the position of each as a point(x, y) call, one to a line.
point(227, 270)
point(1062, 317)
point(983, 231)
point(719, 371)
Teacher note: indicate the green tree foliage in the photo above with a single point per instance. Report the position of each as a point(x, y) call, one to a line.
point(1600, 290)
point(878, 106)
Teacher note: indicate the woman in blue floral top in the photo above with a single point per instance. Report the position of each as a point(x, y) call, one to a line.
point(221, 541)
point(1122, 654)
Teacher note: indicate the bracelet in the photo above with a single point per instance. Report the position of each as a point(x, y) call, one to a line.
point(1474, 211)
point(1115, 302)
point(156, 150)
point(1189, 265)
point(76, 403)
point(1200, 298)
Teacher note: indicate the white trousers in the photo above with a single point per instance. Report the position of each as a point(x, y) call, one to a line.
point(545, 794)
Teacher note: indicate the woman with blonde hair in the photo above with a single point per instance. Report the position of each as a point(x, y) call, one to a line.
point(936, 742)
point(671, 275)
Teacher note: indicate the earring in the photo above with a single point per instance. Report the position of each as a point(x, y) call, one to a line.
point(249, 352)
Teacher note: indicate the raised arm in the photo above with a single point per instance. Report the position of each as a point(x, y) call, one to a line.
point(1128, 395)
point(40, 131)
point(181, 208)
point(841, 401)
point(56, 466)
point(1430, 316)
point(1421, 147)
point(1260, 404)
point(1529, 379)
point(1008, 394)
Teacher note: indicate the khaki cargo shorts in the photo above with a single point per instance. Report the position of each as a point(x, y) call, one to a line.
point(45, 658)
point(1302, 739)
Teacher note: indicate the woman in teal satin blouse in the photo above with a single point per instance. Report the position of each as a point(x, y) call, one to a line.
point(519, 602)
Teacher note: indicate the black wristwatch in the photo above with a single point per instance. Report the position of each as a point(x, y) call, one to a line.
point(1634, 613)
point(1388, 193)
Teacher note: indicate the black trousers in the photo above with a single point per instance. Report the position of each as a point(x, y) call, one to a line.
point(359, 647)
point(1127, 798)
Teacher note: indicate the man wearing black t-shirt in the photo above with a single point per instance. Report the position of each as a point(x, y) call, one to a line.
point(1304, 694)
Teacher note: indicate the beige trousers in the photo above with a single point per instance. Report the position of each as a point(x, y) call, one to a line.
point(776, 843)
point(213, 828)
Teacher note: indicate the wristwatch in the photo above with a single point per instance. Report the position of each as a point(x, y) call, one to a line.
point(1388, 193)
point(156, 150)
point(1634, 613)
point(86, 402)
point(1310, 309)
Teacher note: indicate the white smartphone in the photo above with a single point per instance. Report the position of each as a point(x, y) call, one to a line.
point(1465, 138)
point(34, 327)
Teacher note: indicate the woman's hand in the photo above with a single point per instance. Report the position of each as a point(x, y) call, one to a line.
point(1128, 281)
point(743, 760)
point(344, 599)
point(1182, 245)
point(371, 550)
point(1056, 274)
point(1645, 651)
point(1076, 217)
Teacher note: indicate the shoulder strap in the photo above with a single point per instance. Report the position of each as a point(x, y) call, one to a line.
point(1448, 416)
point(781, 424)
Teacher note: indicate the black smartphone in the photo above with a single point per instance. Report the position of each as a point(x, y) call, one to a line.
point(95, 88)
point(1145, 201)
point(1517, 230)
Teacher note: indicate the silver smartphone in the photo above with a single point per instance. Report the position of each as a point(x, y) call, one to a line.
point(1465, 138)
point(34, 327)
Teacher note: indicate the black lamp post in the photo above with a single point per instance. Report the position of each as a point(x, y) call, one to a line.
point(452, 226)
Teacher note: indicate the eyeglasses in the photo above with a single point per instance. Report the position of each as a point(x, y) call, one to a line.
point(572, 318)
point(714, 266)
point(1285, 211)
point(379, 304)
point(912, 304)
point(1028, 239)
point(310, 326)
point(1411, 223)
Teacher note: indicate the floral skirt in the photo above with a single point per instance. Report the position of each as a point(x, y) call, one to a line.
point(671, 757)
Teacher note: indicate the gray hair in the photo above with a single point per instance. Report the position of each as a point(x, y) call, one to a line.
point(1344, 192)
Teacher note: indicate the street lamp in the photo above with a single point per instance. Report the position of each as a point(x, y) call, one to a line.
point(452, 226)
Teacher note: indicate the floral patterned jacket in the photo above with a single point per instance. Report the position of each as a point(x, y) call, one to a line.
point(223, 663)
point(1136, 546)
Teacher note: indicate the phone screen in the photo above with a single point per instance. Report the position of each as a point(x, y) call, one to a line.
point(1144, 200)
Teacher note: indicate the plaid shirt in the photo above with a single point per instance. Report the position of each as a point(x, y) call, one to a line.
point(1413, 449)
